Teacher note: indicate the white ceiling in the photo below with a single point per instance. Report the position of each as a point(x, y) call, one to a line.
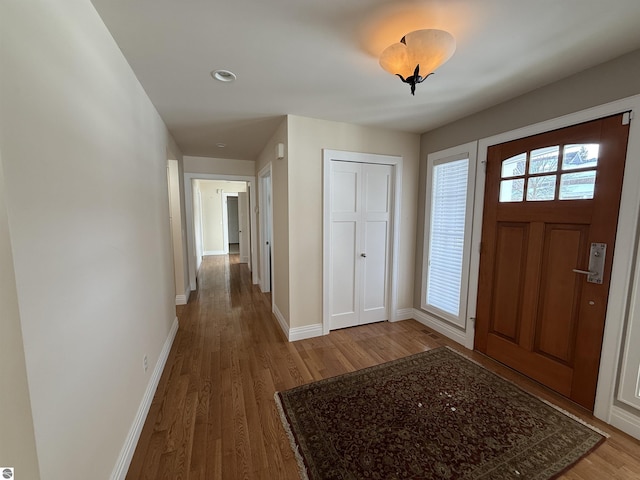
point(317, 58)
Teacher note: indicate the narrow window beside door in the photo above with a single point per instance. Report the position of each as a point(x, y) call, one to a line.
point(447, 236)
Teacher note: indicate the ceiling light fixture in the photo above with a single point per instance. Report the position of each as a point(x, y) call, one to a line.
point(221, 145)
point(223, 75)
point(417, 53)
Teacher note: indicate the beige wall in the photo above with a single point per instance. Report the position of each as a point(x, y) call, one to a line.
point(17, 440)
point(84, 155)
point(280, 202)
point(307, 138)
point(604, 83)
point(211, 197)
point(219, 166)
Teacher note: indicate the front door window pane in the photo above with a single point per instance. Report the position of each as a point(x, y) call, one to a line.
point(578, 185)
point(512, 190)
point(544, 160)
point(514, 166)
point(541, 188)
point(583, 155)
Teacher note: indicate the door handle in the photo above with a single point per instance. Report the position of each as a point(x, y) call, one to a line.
point(583, 272)
point(597, 256)
point(363, 254)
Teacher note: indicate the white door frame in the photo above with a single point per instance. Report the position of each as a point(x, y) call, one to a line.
point(396, 163)
point(266, 286)
point(191, 252)
point(199, 231)
point(623, 262)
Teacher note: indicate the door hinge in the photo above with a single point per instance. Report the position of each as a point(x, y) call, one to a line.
point(627, 117)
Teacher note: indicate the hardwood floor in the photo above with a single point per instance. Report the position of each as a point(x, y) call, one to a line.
point(214, 417)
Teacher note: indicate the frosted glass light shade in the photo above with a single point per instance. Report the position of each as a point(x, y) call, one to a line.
point(428, 48)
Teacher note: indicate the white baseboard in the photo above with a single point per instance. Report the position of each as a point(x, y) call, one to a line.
point(317, 330)
point(183, 299)
point(440, 326)
point(404, 314)
point(296, 333)
point(214, 252)
point(129, 447)
point(308, 331)
point(281, 320)
point(625, 421)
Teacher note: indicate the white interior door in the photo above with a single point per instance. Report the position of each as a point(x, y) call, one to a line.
point(265, 231)
point(360, 210)
point(376, 227)
point(243, 220)
point(345, 243)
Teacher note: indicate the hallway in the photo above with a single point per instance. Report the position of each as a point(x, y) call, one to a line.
point(214, 417)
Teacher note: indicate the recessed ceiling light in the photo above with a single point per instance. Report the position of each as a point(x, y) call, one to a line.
point(223, 75)
point(221, 145)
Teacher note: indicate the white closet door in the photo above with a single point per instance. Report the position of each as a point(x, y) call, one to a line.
point(345, 203)
point(360, 231)
point(376, 216)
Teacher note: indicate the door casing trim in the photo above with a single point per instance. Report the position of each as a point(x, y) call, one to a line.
point(263, 174)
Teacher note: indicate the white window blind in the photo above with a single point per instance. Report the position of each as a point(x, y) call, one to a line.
point(447, 235)
point(449, 199)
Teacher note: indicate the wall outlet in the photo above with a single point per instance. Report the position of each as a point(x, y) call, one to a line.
point(145, 363)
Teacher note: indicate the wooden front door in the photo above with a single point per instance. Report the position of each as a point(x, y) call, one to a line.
point(548, 198)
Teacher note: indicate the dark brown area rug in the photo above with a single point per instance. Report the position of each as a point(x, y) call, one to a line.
point(434, 415)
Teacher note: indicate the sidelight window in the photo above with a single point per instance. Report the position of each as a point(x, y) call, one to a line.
point(449, 198)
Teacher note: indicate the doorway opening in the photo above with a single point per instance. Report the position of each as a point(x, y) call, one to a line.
point(231, 224)
point(211, 230)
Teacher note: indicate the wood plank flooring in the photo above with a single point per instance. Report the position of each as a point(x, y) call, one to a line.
point(213, 416)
